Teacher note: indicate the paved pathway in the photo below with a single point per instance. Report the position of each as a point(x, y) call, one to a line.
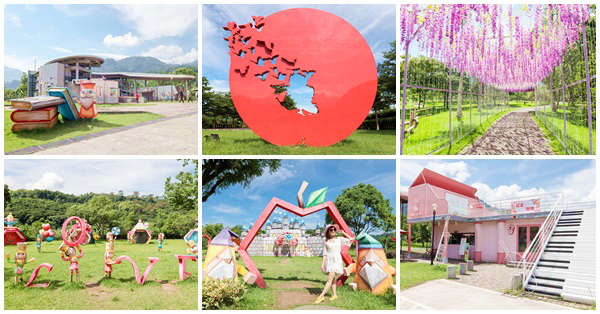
point(444, 294)
point(166, 109)
point(516, 133)
point(175, 134)
point(318, 307)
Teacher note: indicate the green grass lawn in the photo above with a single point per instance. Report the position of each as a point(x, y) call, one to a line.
point(68, 129)
point(577, 132)
point(432, 133)
point(246, 142)
point(160, 292)
point(297, 281)
point(126, 104)
point(413, 273)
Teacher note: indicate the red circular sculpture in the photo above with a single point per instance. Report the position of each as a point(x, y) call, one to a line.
point(82, 234)
point(311, 43)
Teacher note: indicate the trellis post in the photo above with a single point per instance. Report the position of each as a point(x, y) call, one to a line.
point(403, 111)
point(450, 106)
point(588, 88)
point(562, 77)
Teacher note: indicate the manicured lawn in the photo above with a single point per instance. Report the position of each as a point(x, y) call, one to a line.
point(160, 292)
point(68, 129)
point(246, 142)
point(127, 104)
point(297, 281)
point(413, 273)
point(432, 133)
point(577, 132)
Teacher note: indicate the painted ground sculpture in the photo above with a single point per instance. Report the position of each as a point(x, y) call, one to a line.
point(192, 255)
point(140, 234)
point(320, 46)
point(371, 270)
point(286, 240)
point(21, 260)
point(73, 237)
point(12, 234)
point(109, 254)
point(315, 203)
point(220, 262)
point(47, 234)
point(87, 100)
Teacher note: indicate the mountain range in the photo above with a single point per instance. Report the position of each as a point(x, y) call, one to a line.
point(12, 77)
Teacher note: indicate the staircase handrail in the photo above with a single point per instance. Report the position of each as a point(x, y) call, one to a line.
point(442, 239)
point(528, 267)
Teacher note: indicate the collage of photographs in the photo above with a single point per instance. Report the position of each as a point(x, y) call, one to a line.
point(461, 176)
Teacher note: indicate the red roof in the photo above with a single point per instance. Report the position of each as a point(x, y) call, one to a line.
point(436, 179)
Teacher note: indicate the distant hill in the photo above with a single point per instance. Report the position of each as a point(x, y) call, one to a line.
point(12, 78)
point(140, 64)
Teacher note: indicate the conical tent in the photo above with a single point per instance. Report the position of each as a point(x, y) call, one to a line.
point(140, 234)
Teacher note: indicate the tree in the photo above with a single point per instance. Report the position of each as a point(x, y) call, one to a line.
point(183, 193)
point(364, 209)
point(212, 229)
point(6, 196)
point(386, 87)
point(218, 174)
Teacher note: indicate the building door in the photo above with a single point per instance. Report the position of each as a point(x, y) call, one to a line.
point(525, 235)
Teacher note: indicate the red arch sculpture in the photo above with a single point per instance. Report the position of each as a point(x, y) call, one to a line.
point(277, 203)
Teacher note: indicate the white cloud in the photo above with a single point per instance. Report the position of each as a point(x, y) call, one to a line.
point(91, 49)
point(65, 50)
point(74, 10)
point(48, 181)
point(267, 181)
point(229, 209)
point(579, 186)
point(154, 21)
point(101, 176)
point(127, 40)
point(504, 192)
point(23, 64)
point(111, 55)
point(172, 54)
point(30, 7)
point(12, 19)
point(220, 85)
point(459, 170)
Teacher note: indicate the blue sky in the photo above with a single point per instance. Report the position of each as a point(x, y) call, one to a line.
point(44, 32)
point(239, 206)
point(88, 175)
point(498, 179)
point(377, 24)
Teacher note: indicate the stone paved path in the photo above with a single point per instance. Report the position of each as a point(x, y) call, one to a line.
point(516, 133)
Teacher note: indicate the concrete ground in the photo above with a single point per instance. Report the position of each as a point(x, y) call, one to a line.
point(444, 294)
point(516, 133)
point(166, 109)
point(175, 134)
point(178, 136)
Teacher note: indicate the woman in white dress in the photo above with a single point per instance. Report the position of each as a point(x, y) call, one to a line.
point(332, 258)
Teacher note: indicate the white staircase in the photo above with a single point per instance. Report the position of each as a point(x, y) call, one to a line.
point(441, 256)
point(567, 266)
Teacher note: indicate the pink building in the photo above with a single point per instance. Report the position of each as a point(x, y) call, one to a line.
point(496, 232)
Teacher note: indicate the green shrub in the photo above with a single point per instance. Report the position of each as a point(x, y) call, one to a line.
point(217, 293)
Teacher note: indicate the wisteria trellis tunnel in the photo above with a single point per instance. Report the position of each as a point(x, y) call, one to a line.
point(498, 48)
